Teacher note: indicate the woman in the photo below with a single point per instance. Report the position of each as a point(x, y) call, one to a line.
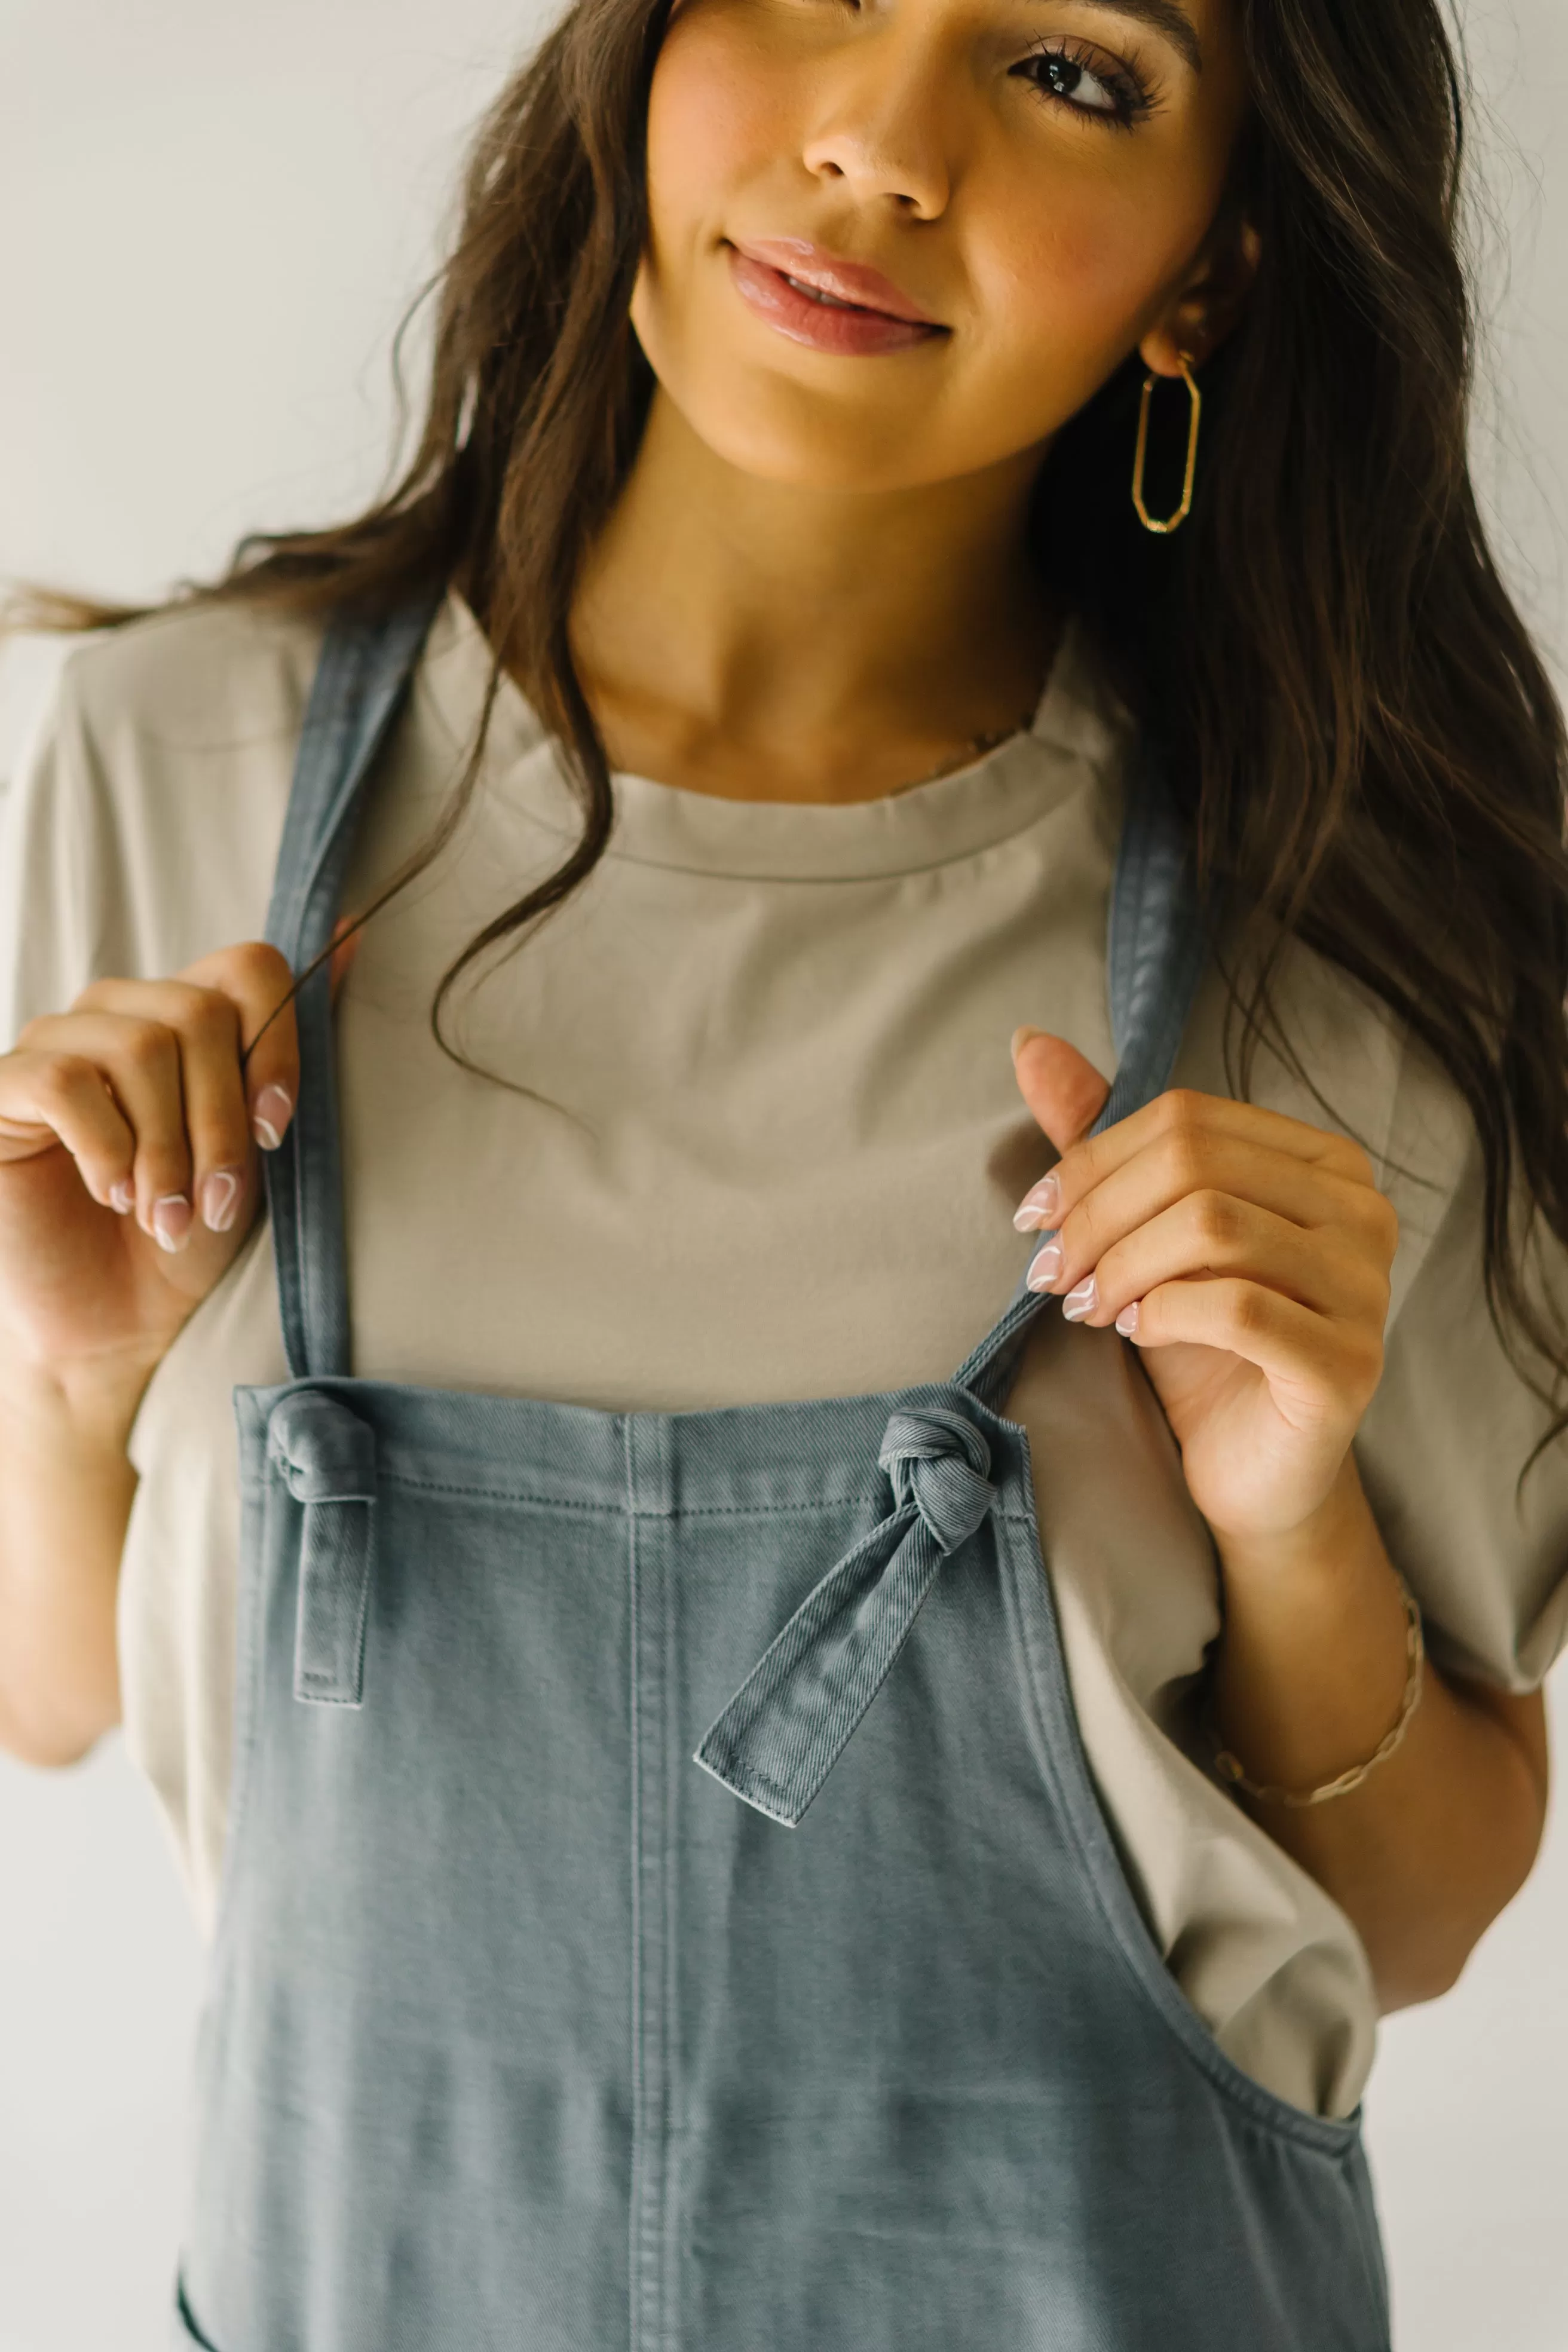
point(681, 1867)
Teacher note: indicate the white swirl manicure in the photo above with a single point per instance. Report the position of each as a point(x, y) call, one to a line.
point(269, 1117)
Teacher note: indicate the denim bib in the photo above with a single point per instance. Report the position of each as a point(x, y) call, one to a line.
point(665, 1906)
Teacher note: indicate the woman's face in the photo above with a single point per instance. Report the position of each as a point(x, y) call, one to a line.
point(1034, 182)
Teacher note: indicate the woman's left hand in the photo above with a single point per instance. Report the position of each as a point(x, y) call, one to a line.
point(1245, 1254)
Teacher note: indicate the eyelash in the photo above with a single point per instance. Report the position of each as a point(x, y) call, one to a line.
point(1133, 99)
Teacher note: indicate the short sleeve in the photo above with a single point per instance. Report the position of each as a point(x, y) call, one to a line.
point(1441, 1449)
point(56, 894)
point(143, 829)
point(140, 834)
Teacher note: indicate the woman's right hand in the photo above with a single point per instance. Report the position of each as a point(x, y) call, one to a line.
point(130, 1174)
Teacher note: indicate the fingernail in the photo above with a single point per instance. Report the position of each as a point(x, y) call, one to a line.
point(1021, 1036)
point(220, 1199)
point(172, 1222)
point(1045, 1266)
point(269, 1117)
point(1081, 1300)
point(1127, 1321)
point(1040, 1208)
point(123, 1199)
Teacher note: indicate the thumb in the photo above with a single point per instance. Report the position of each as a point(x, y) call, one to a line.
point(1062, 1087)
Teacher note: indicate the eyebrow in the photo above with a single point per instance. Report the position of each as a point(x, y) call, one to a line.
point(1166, 16)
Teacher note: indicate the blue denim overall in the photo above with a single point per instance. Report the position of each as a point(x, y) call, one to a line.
point(543, 2015)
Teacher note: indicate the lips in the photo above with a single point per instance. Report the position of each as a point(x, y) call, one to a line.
point(830, 304)
point(846, 281)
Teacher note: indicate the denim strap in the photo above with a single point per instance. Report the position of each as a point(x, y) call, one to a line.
point(325, 1456)
point(1157, 948)
point(360, 681)
point(781, 1732)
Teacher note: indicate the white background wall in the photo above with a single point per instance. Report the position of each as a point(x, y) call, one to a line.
point(213, 215)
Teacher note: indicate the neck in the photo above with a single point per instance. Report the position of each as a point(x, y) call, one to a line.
point(753, 639)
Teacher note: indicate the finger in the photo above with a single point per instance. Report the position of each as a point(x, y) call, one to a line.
point(200, 1166)
point(1186, 1126)
point(1215, 1233)
point(205, 1023)
point(50, 1098)
point(1062, 1087)
point(1316, 1369)
point(258, 980)
point(124, 1029)
point(1230, 1175)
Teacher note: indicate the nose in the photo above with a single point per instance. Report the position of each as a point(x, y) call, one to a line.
point(882, 131)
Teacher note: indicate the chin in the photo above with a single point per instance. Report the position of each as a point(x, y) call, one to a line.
point(780, 431)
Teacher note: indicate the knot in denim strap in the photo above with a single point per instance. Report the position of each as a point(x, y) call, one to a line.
point(937, 1460)
point(324, 1453)
point(786, 1726)
point(325, 1456)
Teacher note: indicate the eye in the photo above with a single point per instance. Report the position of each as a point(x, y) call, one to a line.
point(1084, 81)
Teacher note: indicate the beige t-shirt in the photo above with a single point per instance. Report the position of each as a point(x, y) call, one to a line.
point(772, 1152)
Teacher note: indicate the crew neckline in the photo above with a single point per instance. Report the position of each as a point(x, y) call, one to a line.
point(1078, 729)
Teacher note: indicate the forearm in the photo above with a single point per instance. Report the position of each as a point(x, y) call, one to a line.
point(1428, 1849)
point(66, 1491)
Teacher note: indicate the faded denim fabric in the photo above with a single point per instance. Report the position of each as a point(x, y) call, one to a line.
point(532, 2025)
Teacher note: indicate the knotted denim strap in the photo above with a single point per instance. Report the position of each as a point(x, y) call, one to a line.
point(326, 1457)
point(786, 1726)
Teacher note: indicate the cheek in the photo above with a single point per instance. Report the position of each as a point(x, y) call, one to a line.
point(714, 120)
point(1075, 280)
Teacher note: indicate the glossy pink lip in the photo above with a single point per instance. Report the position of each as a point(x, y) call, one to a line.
point(850, 281)
point(840, 323)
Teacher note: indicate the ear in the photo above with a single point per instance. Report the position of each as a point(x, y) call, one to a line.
point(1210, 305)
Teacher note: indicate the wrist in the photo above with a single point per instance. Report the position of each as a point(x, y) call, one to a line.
point(1334, 1534)
point(89, 1404)
point(1316, 1660)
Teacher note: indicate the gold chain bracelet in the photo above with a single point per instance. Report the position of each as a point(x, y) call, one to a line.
point(1229, 1768)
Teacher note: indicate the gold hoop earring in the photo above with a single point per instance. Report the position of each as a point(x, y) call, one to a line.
point(1174, 521)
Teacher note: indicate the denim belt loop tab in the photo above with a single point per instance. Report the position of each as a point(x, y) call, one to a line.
point(326, 1457)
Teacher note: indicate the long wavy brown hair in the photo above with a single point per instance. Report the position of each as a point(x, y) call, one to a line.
point(1361, 732)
